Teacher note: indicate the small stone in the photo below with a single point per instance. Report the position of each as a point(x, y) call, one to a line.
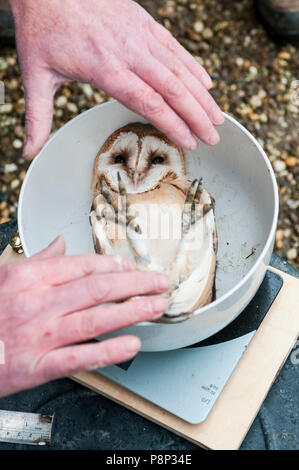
point(207, 33)
point(87, 89)
point(287, 232)
point(227, 40)
point(167, 10)
point(253, 70)
point(284, 55)
point(198, 26)
point(10, 168)
point(292, 253)
point(262, 94)
point(279, 165)
point(279, 244)
point(291, 161)
point(11, 61)
point(6, 108)
point(3, 64)
point(221, 25)
point(239, 61)
point(22, 175)
point(15, 184)
point(58, 113)
point(72, 107)
point(292, 108)
point(256, 101)
point(17, 144)
point(61, 101)
point(67, 92)
point(98, 98)
point(19, 131)
point(279, 234)
point(263, 117)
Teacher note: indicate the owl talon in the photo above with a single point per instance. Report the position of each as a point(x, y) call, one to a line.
point(207, 208)
point(196, 208)
point(191, 205)
point(109, 198)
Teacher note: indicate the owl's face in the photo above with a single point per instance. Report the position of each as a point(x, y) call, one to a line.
point(142, 155)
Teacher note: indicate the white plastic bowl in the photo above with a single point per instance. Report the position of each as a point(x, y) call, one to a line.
point(56, 198)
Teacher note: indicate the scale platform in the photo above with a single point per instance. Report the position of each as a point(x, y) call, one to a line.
point(211, 392)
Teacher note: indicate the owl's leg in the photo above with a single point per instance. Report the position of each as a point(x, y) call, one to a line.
point(193, 210)
point(198, 204)
point(118, 213)
point(102, 244)
point(130, 220)
point(135, 237)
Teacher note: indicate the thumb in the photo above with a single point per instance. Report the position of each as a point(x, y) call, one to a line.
point(56, 248)
point(39, 93)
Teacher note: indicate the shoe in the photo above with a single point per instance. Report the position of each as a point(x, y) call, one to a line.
point(7, 28)
point(280, 18)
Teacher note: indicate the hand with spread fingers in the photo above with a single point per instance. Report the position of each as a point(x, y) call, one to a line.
point(118, 47)
point(50, 302)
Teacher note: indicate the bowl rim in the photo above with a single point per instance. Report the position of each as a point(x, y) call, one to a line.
point(259, 259)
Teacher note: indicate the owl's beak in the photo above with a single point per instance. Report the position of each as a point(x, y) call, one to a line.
point(136, 180)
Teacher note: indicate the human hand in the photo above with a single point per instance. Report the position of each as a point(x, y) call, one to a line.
point(118, 47)
point(51, 301)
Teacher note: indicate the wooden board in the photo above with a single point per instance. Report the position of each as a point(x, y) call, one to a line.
point(240, 401)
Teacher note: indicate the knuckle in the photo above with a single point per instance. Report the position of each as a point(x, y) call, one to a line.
point(96, 288)
point(70, 332)
point(174, 88)
point(133, 310)
point(88, 325)
point(57, 366)
point(119, 74)
point(85, 264)
point(152, 103)
point(70, 363)
point(171, 42)
point(177, 69)
point(106, 355)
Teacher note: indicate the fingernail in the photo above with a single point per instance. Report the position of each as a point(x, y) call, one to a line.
point(206, 80)
point(213, 137)
point(162, 282)
point(218, 117)
point(93, 367)
point(133, 345)
point(158, 306)
point(191, 143)
point(25, 149)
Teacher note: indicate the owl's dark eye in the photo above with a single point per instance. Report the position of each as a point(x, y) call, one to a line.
point(119, 158)
point(157, 160)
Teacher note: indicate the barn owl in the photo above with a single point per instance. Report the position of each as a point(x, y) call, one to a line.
point(144, 208)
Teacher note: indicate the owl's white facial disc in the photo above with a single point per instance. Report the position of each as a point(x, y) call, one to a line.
point(126, 145)
point(152, 173)
point(142, 162)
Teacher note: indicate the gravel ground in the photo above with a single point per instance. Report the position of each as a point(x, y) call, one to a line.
point(254, 80)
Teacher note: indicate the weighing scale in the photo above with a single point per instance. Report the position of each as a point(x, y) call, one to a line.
point(209, 393)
